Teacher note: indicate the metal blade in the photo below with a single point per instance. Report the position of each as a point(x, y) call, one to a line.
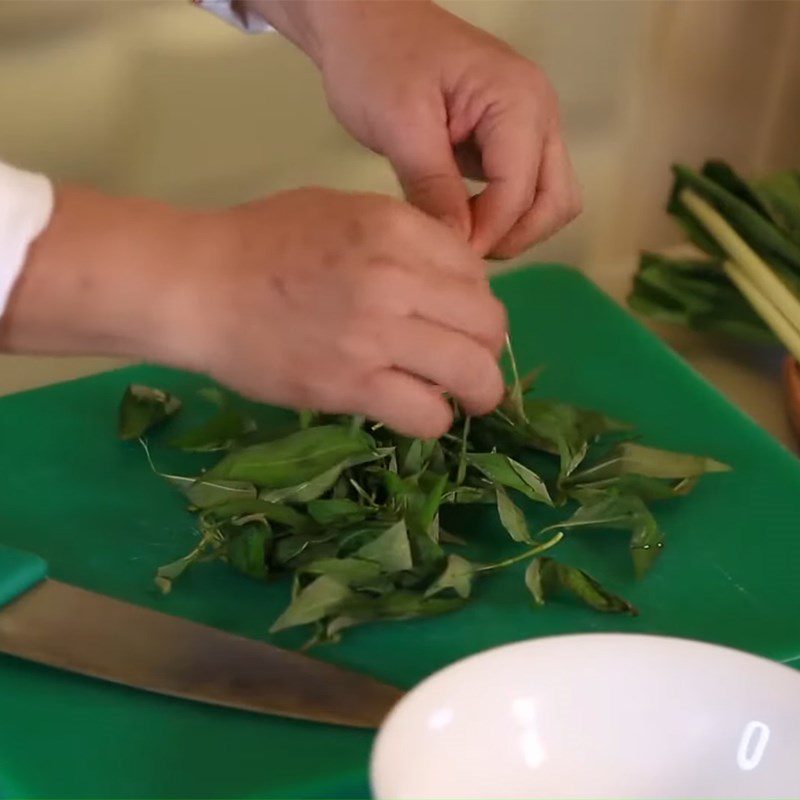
point(73, 629)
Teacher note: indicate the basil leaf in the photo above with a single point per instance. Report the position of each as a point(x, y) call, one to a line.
point(391, 549)
point(457, 576)
point(298, 458)
point(204, 493)
point(630, 458)
point(545, 576)
point(252, 507)
point(247, 550)
point(220, 432)
point(568, 429)
point(142, 408)
point(307, 491)
point(508, 472)
point(321, 598)
point(336, 512)
point(601, 509)
point(511, 517)
point(352, 572)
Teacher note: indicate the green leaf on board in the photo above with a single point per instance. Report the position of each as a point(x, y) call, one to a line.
point(295, 459)
point(322, 597)
point(391, 549)
point(545, 576)
point(221, 431)
point(142, 408)
point(457, 576)
point(510, 473)
point(511, 517)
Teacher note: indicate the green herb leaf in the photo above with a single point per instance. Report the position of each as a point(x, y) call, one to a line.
point(247, 550)
point(336, 512)
point(253, 508)
point(630, 458)
point(204, 493)
point(508, 472)
point(391, 549)
point(298, 458)
point(142, 408)
point(456, 576)
point(567, 429)
point(220, 432)
point(603, 509)
point(545, 576)
point(323, 597)
point(353, 572)
point(308, 490)
point(511, 517)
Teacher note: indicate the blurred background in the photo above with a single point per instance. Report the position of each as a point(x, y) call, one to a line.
point(159, 98)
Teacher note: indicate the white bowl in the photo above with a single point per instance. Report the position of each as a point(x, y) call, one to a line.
point(597, 715)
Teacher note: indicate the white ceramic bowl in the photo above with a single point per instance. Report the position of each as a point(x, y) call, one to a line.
point(597, 715)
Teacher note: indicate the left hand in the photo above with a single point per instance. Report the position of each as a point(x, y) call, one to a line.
point(442, 99)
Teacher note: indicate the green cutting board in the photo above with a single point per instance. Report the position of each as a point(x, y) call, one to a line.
point(89, 504)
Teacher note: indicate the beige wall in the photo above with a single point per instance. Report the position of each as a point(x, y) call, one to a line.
point(155, 97)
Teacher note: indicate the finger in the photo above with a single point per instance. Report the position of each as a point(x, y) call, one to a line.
point(557, 202)
point(458, 364)
point(470, 309)
point(423, 159)
point(419, 243)
point(511, 149)
point(405, 404)
point(466, 307)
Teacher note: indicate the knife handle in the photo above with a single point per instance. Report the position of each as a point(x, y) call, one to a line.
point(19, 571)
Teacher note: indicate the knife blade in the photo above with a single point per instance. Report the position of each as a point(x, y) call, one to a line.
point(70, 628)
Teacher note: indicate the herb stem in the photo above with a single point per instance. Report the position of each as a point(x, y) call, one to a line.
point(540, 548)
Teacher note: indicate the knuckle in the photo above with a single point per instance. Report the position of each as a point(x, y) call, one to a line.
point(357, 342)
point(395, 220)
point(379, 286)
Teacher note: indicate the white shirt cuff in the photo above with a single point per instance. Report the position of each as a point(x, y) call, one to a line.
point(26, 205)
point(235, 14)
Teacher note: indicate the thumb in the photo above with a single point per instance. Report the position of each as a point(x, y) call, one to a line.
point(426, 168)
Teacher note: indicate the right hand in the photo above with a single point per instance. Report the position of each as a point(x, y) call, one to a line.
point(347, 303)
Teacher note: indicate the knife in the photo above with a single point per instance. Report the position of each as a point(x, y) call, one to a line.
point(63, 626)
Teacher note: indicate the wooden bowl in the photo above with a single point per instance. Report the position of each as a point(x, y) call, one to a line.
point(791, 387)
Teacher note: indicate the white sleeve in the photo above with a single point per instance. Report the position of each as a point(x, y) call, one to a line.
point(236, 14)
point(26, 205)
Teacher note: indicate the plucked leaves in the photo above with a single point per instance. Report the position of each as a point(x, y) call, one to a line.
point(142, 408)
point(351, 511)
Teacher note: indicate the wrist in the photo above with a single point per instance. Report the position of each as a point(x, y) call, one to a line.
point(99, 279)
point(297, 20)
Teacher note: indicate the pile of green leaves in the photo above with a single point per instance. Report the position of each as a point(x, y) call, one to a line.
point(352, 511)
point(748, 285)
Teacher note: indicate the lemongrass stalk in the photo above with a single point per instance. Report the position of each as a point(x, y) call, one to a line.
point(761, 277)
point(777, 322)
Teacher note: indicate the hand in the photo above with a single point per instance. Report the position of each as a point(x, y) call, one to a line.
point(343, 303)
point(442, 99)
